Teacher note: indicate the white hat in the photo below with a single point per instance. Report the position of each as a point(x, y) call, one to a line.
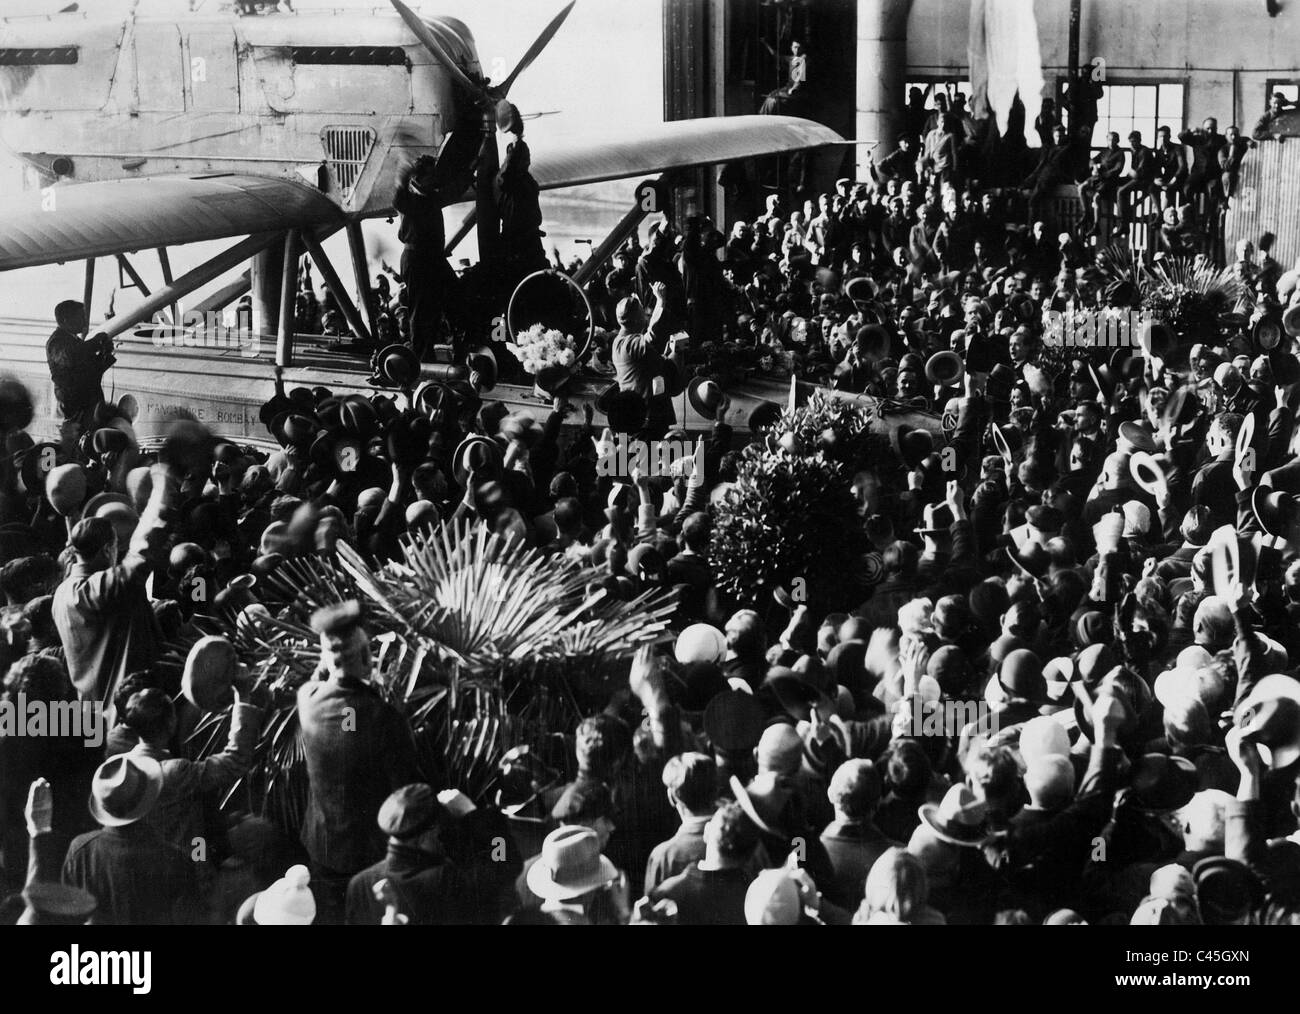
point(772, 900)
point(1137, 518)
point(287, 902)
point(701, 642)
point(570, 865)
point(1041, 738)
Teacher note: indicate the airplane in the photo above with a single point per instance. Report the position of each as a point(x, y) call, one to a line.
point(150, 132)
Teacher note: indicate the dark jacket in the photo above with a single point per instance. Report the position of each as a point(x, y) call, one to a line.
point(358, 751)
point(430, 890)
point(707, 897)
point(137, 878)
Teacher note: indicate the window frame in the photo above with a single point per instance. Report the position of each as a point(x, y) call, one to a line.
point(1062, 102)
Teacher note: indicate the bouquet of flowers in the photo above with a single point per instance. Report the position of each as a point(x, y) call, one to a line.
point(540, 348)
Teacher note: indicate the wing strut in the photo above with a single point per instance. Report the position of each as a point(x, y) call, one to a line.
point(190, 281)
point(335, 286)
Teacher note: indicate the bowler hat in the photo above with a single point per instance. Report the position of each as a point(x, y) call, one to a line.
point(65, 488)
point(1156, 339)
point(999, 383)
point(944, 369)
point(914, 445)
point(1021, 677)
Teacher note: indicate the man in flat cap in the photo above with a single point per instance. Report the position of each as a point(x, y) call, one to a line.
point(358, 750)
point(428, 887)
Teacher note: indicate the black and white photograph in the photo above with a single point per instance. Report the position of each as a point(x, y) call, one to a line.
point(481, 463)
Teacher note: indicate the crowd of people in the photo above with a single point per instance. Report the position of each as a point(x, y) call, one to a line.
point(1065, 697)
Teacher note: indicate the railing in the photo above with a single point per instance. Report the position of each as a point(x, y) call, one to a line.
point(1138, 222)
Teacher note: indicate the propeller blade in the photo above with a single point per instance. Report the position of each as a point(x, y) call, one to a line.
point(535, 50)
point(430, 42)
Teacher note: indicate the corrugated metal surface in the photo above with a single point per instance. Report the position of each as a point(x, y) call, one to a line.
point(1268, 200)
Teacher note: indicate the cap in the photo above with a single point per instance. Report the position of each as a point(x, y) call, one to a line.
point(409, 810)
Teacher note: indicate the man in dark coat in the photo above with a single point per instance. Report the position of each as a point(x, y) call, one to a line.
point(427, 888)
point(428, 281)
point(76, 368)
point(358, 751)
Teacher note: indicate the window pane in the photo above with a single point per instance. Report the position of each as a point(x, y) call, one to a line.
point(1171, 102)
point(1144, 102)
point(1121, 102)
point(1291, 91)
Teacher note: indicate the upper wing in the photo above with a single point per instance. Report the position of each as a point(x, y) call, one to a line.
point(82, 220)
point(678, 144)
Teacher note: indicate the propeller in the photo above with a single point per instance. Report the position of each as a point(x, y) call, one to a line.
point(487, 95)
point(535, 50)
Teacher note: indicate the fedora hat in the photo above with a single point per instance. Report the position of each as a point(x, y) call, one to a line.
point(959, 818)
point(914, 444)
point(110, 440)
point(1182, 407)
point(705, 396)
point(1291, 320)
point(398, 365)
point(124, 789)
point(65, 488)
point(483, 370)
point(1031, 558)
point(1156, 339)
point(764, 415)
point(299, 430)
point(102, 499)
point(209, 673)
point(1147, 472)
point(1269, 717)
point(936, 518)
point(1008, 440)
point(35, 463)
point(625, 411)
point(764, 800)
point(1161, 783)
point(861, 289)
point(1232, 558)
point(944, 369)
point(1000, 381)
point(1138, 436)
point(734, 721)
point(478, 453)
point(358, 416)
point(873, 341)
point(797, 696)
point(570, 865)
point(1275, 510)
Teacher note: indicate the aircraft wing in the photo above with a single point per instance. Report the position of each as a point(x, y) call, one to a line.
point(77, 221)
point(678, 144)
